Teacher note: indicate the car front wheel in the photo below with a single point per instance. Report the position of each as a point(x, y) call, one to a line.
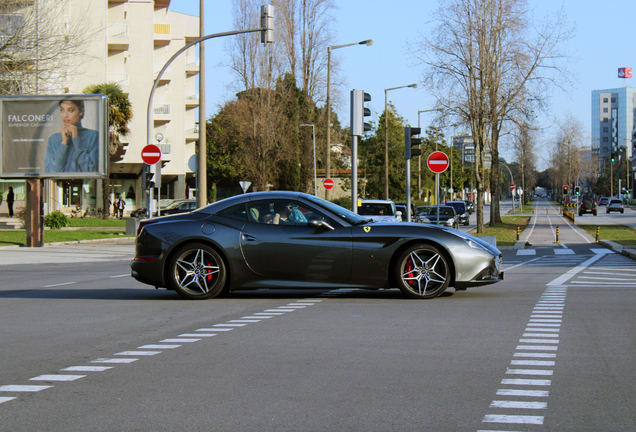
point(422, 272)
point(197, 272)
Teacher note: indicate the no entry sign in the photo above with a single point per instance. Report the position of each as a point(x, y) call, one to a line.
point(328, 183)
point(437, 162)
point(151, 154)
point(512, 186)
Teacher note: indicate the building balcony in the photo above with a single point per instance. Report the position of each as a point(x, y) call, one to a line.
point(161, 113)
point(191, 99)
point(167, 74)
point(118, 39)
point(191, 132)
point(162, 35)
point(192, 66)
point(119, 78)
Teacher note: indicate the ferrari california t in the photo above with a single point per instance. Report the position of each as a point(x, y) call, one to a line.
point(292, 240)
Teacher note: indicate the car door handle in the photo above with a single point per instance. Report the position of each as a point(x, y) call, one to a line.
point(247, 237)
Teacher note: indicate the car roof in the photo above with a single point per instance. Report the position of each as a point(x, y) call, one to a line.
point(377, 202)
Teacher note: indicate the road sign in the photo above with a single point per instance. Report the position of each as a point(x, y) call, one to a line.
point(328, 183)
point(437, 162)
point(151, 154)
point(512, 186)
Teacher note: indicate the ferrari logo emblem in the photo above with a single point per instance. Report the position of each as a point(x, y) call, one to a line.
point(367, 229)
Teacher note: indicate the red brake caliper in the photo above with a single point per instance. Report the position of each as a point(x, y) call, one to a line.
point(211, 275)
point(409, 266)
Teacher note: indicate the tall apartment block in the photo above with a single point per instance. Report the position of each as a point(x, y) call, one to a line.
point(613, 120)
point(128, 42)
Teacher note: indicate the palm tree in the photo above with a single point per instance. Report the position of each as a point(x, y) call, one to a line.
point(119, 115)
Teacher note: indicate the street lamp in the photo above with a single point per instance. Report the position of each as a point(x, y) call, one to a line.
point(328, 155)
point(419, 157)
point(313, 133)
point(386, 137)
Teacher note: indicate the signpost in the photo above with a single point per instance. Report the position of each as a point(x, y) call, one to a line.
point(438, 163)
point(151, 154)
point(328, 183)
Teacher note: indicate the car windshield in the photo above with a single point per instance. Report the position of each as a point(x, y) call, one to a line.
point(615, 201)
point(443, 211)
point(459, 207)
point(347, 215)
point(375, 209)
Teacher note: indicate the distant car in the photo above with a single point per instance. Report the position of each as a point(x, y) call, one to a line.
point(179, 207)
point(462, 211)
point(403, 204)
point(470, 206)
point(615, 205)
point(447, 216)
point(603, 201)
point(380, 211)
point(587, 205)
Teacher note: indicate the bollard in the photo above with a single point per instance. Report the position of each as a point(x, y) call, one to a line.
point(557, 234)
point(598, 230)
point(518, 229)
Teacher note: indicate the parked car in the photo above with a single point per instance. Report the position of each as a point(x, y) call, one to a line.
point(587, 205)
point(181, 206)
point(413, 210)
point(615, 204)
point(447, 216)
point(402, 210)
point(603, 201)
point(470, 206)
point(463, 215)
point(228, 245)
point(380, 211)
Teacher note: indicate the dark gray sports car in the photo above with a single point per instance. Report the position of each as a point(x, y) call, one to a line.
point(293, 240)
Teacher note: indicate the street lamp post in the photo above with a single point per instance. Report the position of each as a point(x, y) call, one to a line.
point(386, 137)
point(328, 154)
point(313, 134)
point(512, 181)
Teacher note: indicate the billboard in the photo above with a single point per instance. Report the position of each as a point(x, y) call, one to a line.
point(62, 136)
point(625, 72)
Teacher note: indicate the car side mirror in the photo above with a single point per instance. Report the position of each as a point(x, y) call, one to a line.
point(398, 213)
point(319, 224)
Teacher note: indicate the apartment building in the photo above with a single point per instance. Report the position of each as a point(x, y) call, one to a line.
point(128, 42)
point(613, 121)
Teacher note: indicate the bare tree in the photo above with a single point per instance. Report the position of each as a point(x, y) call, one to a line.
point(484, 61)
point(524, 145)
point(567, 156)
point(40, 45)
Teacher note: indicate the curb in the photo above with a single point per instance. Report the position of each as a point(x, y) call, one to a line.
point(72, 242)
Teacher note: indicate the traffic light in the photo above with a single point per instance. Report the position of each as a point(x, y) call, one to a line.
point(613, 157)
point(148, 178)
point(359, 112)
point(565, 189)
point(267, 24)
point(577, 190)
point(410, 141)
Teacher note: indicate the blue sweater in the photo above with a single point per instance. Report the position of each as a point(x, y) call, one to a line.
point(81, 154)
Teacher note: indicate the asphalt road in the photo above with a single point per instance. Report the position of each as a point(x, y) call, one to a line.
point(86, 348)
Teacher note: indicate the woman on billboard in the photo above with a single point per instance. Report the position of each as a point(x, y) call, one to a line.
point(75, 148)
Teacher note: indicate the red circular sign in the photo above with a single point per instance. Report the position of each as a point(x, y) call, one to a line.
point(437, 162)
point(151, 154)
point(512, 186)
point(328, 183)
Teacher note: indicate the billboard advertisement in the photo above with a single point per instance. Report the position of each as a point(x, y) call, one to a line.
point(625, 72)
point(63, 136)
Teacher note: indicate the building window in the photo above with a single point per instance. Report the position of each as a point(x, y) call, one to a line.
point(613, 100)
point(605, 139)
point(605, 110)
point(605, 100)
point(605, 129)
point(605, 120)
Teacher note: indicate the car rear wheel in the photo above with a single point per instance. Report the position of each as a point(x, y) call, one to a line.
point(422, 272)
point(197, 272)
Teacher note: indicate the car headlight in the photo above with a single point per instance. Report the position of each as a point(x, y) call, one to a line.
point(471, 242)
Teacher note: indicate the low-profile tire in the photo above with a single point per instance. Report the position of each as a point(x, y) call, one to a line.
point(197, 272)
point(422, 272)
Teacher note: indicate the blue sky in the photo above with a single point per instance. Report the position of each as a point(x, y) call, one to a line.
point(603, 42)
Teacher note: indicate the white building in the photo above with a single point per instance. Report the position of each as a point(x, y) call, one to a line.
point(129, 42)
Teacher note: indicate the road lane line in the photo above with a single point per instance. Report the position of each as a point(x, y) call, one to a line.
point(56, 377)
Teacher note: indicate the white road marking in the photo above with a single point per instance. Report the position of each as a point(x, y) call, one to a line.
point(56, 377)
point(184, 340)
point(537, 420)
point(518, 405)
point(23, 388)
point(187, 335)
point(535, 355)
point(138, 353)
point(6, 399)
point(537, 347)
point(114, 360)
point(529, 372)
point(532, 363)
point(529, 393)
point(60, 284)
point(218, 329)
point(86, 368)
point(155, 346)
